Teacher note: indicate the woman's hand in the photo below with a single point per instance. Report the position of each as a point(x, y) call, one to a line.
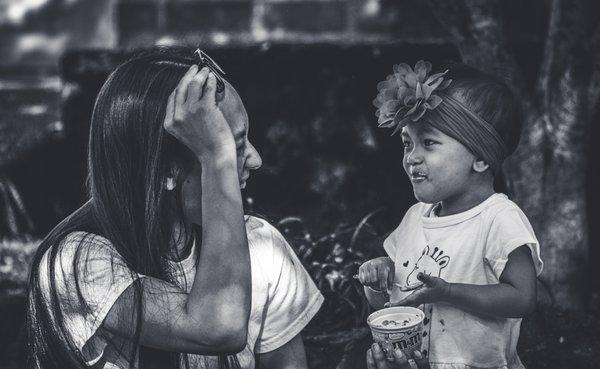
point(376, 359)
point(377, 273)
point(193, 117)
point(434, 289)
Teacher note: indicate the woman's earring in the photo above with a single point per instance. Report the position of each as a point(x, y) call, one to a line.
point(170, 184)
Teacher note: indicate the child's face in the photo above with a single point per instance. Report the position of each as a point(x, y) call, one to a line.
point(439, 167)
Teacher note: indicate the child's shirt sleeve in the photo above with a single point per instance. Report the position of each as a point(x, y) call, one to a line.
point(293, 298)
point(90, 275)
point(509, 230)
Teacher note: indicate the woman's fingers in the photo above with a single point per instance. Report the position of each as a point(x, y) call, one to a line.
point(170, 110)
point(194, 90)
point(400, 359)
point(421, 361)
point(379, 357)
point(370, 360)
point(181, 90)
point(211, 89)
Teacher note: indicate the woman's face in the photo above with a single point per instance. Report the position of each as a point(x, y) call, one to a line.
point(248, 158)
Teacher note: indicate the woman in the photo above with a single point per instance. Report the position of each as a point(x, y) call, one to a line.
point(160, 268)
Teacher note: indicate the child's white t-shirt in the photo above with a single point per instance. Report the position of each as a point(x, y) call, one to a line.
point(284, 298)
point(469, 247)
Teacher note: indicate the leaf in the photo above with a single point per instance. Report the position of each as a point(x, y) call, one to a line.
point(423, 110)
point(434, 101)
point(435, 76)
point(436, 83)
point(415, 107)
point(427, 90)
point(419, 92)
point(445, 84)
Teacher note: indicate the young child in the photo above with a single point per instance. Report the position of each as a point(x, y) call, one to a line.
point(466, 255)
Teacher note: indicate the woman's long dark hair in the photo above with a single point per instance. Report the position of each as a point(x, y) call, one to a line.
point(130, 154)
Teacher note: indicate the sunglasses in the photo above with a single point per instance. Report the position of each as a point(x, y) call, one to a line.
point(207, 61)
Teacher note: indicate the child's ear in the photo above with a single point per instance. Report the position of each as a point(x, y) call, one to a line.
point(480, 166)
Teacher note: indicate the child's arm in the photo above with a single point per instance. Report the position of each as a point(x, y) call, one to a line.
point(513, 297)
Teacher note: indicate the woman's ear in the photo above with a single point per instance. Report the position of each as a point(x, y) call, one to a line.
point(480, 166)
point(172, 177)
point(170, 183)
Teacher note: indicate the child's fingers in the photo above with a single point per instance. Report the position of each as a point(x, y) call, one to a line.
point(411, 300)
point(428, 280)
point(373, 276)
point(362, 274)
point(382, 277)
point(390, 279)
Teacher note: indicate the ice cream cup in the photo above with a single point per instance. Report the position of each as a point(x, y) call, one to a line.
point(401, 326)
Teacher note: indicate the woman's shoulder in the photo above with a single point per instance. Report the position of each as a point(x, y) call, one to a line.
point(259, 229)
point(265, 239)
point(80, 245)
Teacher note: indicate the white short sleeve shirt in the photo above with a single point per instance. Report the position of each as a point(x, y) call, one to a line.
point(284, 298)
point(470, 247)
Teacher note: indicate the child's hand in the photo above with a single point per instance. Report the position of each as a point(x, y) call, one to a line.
point(376, 359)
point(377, 273)
point(434, 289)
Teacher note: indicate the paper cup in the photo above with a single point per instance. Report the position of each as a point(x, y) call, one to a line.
point(401, 326)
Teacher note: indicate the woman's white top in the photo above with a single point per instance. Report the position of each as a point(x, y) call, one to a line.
point(284, 298)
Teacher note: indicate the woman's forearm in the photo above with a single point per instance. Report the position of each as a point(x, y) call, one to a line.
point(222, 285)
point(500, 300)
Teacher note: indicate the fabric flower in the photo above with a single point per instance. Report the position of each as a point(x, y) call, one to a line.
point(407, 94)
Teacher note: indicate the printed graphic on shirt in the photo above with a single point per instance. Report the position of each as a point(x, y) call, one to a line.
point(431, 262)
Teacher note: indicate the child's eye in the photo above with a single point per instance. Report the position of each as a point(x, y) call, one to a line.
point(428, 142)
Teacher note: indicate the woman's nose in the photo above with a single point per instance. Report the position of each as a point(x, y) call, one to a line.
point(253, 160)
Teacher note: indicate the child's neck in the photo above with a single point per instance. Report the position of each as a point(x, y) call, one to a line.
point(464, 201)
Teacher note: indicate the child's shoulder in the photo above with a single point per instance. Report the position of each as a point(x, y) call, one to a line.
point(500, 205)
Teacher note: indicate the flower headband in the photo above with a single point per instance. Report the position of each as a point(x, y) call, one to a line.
point(407, 94)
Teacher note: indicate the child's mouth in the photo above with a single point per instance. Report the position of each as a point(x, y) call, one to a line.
point(417, 177)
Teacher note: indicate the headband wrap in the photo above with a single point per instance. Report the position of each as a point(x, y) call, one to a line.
point(410, 95)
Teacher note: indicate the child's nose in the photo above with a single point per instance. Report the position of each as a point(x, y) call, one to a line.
point(414, 158)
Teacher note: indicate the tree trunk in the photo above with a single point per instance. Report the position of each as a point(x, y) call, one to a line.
point(547, 174)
